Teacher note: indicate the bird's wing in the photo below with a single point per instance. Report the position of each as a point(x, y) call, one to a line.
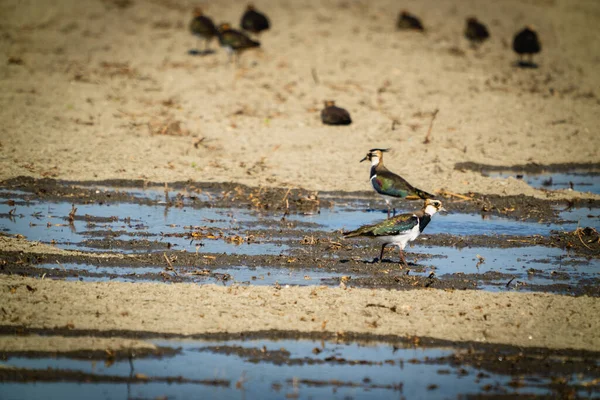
point(390, 184)
point(237, 40)
point(398, 224)
point(386, 182)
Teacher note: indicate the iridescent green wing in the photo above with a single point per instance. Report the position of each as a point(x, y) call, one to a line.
point(390, 184)
point(394, 226)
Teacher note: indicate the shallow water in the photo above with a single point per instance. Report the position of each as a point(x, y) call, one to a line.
point(271, 369)
point(133, 228)
point(582, 181)
point(47, 222)
point(453, 224)
point(535, 265)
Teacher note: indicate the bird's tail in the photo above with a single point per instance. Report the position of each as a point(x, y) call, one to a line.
point(362, 231)
point(424, 195)
point(351, 233)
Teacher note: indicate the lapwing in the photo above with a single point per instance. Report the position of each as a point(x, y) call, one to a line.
point(203, 27)
point(475, 31)
point(388, 184)
point(235, 42)
point(400, 229)
point(407, 21)
point(333, 115)
point(254, 21)
point(527, 42)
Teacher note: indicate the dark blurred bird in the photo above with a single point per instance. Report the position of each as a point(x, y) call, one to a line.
point(235, 42)
point(527, 42)
point(333, 115)
point(389, 185)
point(203, 27)
point(409, 21)
point(475, 31)
point(401, 229)
point(254, 21)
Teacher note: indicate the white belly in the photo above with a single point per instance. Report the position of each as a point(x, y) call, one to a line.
point(402, 239)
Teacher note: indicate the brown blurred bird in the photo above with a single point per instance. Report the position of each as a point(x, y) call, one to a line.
point(203, 27)
point(475, 31)
point(527, 42)
point(254, 21)
point(333, 115)
point(407, 21)
point(235, 42)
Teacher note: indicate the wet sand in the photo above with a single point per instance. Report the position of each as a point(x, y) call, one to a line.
point(528, 320)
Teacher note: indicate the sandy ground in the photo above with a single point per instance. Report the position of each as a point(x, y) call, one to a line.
point(85, 84)
point(90, 91)
point(538, 320)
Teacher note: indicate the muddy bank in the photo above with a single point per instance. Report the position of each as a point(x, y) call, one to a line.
point(532, 168)
point(197, 195)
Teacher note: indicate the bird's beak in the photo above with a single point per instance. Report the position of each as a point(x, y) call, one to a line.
point(365, 159)
point(442, 210)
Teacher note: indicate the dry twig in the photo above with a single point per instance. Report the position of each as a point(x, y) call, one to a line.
point(428, 136)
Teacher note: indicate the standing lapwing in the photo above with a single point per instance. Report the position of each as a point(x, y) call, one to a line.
point(235, 42)
point(408, 21)
point(527, 42)
point(388, 184)
point(203, 27)
point(334, 115)
point(400, 229)
point(476, 32)
point(254, 21)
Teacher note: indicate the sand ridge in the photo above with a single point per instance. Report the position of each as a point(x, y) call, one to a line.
point(107, 93)
point(522, 319)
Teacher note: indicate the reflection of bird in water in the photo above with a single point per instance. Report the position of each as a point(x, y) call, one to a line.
point(475, 31)
point(527, 42)
point(333, 115)
point(400, 229)
point(235, 42)
point(203, 27)
point(254, 21)
point(389, 185)
point(407, 21)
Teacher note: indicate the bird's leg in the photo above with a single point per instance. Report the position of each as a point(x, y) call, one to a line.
point(206, 42)
point(388, 210)
point(402, 259)
point(381, 255)
point(394, 212)
point(387, 203)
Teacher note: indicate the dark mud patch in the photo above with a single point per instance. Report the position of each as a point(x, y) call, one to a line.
point(109, 243)
point(107, 356)
point(61, 375)
point(569, 176)
point(190, 194)
point(532, 168)
point(501, 268)
point(282, 201)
